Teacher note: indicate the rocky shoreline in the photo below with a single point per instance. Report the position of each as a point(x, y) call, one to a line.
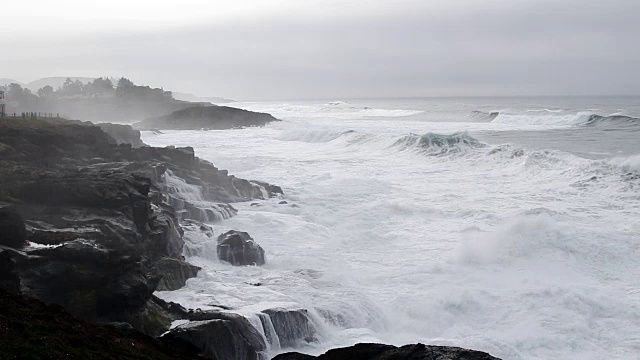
point(92, 221)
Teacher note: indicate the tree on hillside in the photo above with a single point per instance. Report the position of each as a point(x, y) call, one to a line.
point(71, 88)
point(45, 91)
point(99, 86)
point(103, 85)
point(22, 98)
point(125, 83)
point(124, 88)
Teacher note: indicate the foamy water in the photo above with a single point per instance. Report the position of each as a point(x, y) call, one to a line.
point(408, 229)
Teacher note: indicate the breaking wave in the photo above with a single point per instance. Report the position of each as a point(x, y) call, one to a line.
point(484, 116)
point(313, 136)
point(335, 109)
point(438, 144)
point(554, 119)
point(615, 120)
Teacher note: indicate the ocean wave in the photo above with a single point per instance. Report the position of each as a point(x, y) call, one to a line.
point(313, 136)
point(543, 119)
point(438, 144)
point(335, 109)
point(584, 118)
point(484, 116)
point(629, 164)
point(546, 110)
point(615, 119)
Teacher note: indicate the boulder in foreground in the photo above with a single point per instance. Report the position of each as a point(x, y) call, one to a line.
point(207, 118)
point(238, 248)
point(388, 352)
point(30, 329)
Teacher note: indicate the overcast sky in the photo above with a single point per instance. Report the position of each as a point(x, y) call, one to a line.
point(288, 49)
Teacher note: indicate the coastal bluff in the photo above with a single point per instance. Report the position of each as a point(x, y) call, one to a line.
point(206, 118)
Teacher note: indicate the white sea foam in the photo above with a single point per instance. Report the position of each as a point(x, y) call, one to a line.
point(335, 109)
point(524, 253)
point(544, 119)
point(629, 163)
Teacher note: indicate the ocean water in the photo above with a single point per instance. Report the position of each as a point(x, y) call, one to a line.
point(508, 225)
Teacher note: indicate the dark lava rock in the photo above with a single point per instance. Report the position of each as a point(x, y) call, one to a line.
point(272, 189)
point(107, 215)
point(239, 249)
point(175, 273)
point(228, 336)
point(283, 202)
point(13, 232)
point(388, 352)
point(9, 279)
point(122, 134)
point(30, 329)
point(206, 117)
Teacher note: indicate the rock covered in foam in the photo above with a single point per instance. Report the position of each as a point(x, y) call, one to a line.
point(388, 352)
point(238, 248)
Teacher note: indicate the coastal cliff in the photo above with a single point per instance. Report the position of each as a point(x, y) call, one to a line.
point(95, 227)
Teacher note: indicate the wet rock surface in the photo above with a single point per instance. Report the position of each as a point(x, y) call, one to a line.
point(122, 134)
point(175, 273)
point(239, 249)
point(388, 352)
point(29, 329)
point(13, 232)
point(224, 336)
point(102, 220)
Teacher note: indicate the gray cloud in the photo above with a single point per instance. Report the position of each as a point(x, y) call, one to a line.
point(409, 49)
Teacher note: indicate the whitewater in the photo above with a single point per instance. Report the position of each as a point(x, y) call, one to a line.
point(510, 226)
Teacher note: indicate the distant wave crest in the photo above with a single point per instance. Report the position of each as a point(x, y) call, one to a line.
point(334, 109)
point(616, 120)
point(484, 116)
point(579, 119)
point(313, 135)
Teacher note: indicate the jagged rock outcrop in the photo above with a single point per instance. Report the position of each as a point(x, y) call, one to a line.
point(227, 336)
point(211, 330)
point(9, 279)
point(388, 352)
point(13, 232)
point(238, 248)
point(102, 224)
point(30, 329)
point(118, 133)
point(122, 134)
point(175, 273)
point(206, 117)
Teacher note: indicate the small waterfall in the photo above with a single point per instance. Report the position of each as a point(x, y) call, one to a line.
point(189, 203)
point(262, 323)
